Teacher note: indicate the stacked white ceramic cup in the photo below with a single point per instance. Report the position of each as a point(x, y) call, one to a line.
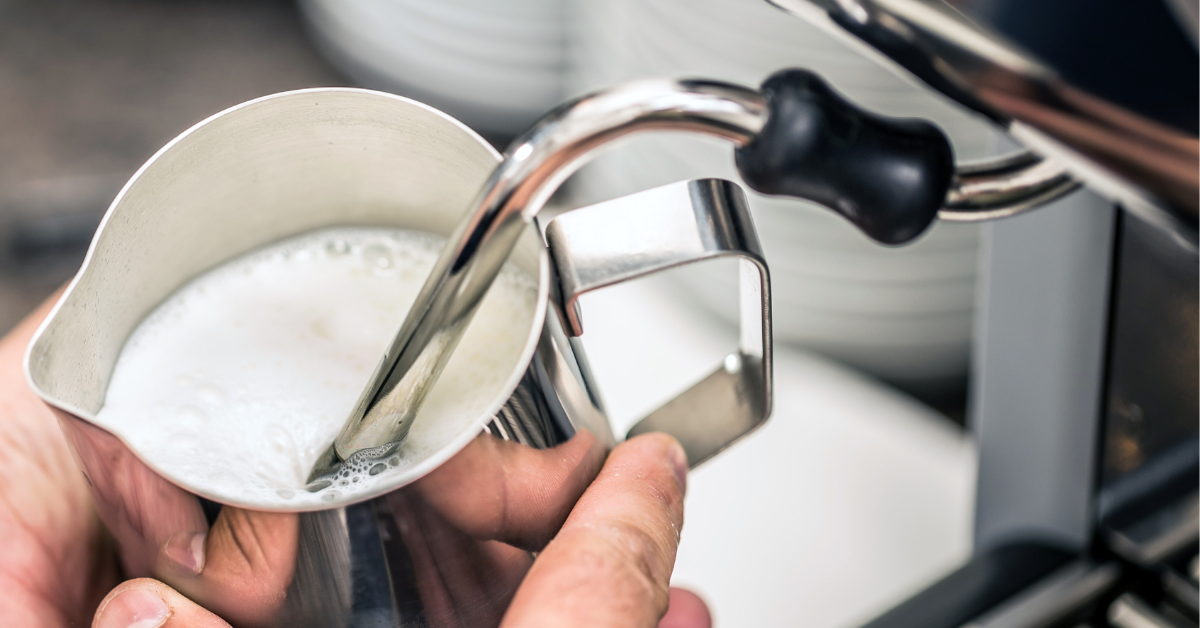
point(903, 314)
point(495, 65)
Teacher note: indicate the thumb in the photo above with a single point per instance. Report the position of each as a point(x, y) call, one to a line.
point(611, 562)
point(146, 603)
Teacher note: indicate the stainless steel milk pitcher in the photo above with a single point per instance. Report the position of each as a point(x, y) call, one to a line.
point(429, 546)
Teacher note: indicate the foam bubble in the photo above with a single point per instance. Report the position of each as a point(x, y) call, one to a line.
point(211, 394)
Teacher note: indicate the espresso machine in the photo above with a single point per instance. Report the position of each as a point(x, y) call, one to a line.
point(1084, 387)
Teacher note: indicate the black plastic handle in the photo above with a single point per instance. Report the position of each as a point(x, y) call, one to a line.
point(889, 176)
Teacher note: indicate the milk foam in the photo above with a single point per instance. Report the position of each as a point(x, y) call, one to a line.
point(236, 383)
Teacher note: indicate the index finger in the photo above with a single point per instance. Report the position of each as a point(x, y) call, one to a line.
point(611, 563)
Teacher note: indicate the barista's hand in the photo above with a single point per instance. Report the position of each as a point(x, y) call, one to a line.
point(611, 562)
point(609, 565)
point(56, 562)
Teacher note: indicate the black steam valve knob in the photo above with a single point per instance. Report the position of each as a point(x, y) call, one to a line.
point(889, 176)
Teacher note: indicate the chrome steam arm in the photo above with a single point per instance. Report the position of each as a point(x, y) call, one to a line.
point(795, 137)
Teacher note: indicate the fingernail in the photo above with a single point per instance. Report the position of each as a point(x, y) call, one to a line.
point(187, 551)
point(135, 608)
point(680, 465)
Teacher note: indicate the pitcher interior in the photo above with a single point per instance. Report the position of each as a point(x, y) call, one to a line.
point(255, 174)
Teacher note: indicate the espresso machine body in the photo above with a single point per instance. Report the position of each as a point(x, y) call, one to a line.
point(1084, 386)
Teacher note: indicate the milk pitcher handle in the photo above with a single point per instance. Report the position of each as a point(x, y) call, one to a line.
point(655, 230)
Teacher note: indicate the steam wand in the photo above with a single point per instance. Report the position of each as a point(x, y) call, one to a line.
point(797, 137)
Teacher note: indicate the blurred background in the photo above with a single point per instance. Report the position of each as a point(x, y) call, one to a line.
point(861, 488)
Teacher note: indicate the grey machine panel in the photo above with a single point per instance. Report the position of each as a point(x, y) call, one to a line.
point(1039, 354)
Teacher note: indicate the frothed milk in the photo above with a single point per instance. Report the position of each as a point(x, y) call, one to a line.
point(241, 379)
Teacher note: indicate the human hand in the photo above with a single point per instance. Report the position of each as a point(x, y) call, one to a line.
point(56, 560)
point(608, 565)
